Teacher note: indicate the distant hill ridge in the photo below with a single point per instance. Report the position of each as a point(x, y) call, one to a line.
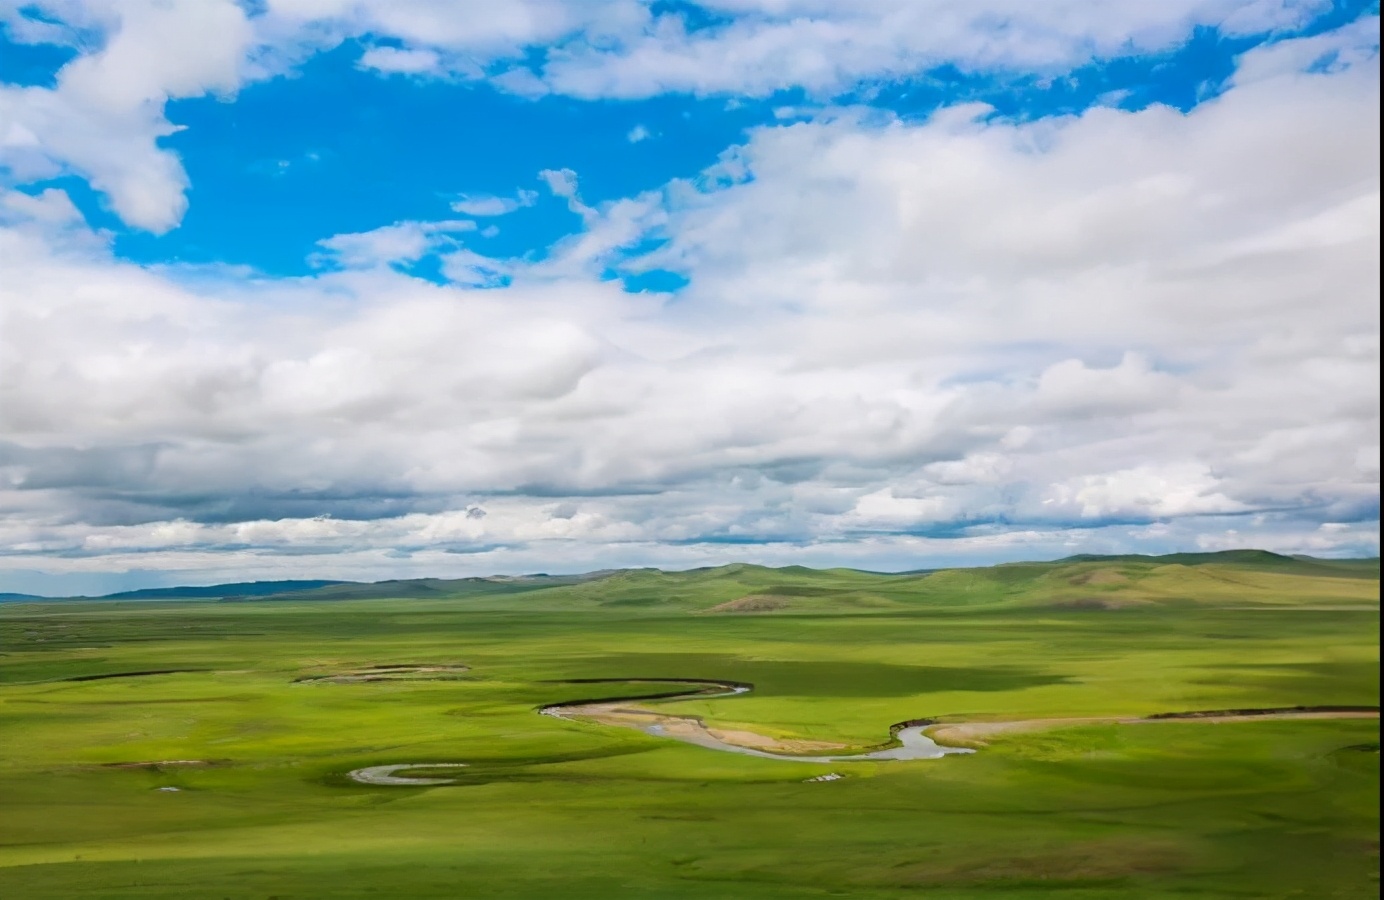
point(798, 584)
point(236, 589)
point(339, 590)
point(1259, 557)
point(198, 592)
point(1256, 558)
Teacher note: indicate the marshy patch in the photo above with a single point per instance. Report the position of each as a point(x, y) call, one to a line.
point(389, 672)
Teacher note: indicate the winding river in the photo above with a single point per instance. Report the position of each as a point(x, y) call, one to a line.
point(384, 775)
point(911, 742)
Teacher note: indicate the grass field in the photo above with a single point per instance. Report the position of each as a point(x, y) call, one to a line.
point(551, 808)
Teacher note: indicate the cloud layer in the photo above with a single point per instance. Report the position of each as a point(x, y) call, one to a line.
point(965, 337)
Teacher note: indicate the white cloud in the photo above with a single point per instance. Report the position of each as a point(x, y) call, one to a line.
point(638, 133)
point(1351, 45)
point(466, 267)
point(51, 206)
point(400, 242)
point(479, 30)
point(976, 468)
point(405, 62)
point(105, 113)
point(882, 509)
point(1072, 388)
point(487, 205)
point(1164, 324)
point(1179, 489)
point(562, 182)
point(628, 48)
point(827, 47)
point(104, 117)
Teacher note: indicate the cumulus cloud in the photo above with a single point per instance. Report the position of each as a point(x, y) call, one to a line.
point(393, 60)
point(959, 337)
point(487, 205)
point(481, 31)
point(105, 115)
point(626, 48)
point(562, 182)
point(400, 242)
point(50, 206)
point(1145, 492)
point(760, 46)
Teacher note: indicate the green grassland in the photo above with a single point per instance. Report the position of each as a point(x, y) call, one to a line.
point(553, 808)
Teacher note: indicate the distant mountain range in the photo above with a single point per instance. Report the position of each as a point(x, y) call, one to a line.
point(321, 589)
point(441, 588)
point(207, 592)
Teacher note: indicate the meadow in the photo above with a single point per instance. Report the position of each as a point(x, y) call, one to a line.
point(253, 709)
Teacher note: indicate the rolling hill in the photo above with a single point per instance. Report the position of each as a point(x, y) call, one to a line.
point(1229, 578)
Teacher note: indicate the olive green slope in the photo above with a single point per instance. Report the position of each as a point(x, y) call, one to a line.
point(1212, 579)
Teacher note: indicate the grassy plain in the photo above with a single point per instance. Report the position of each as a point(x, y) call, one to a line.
point(551, 808)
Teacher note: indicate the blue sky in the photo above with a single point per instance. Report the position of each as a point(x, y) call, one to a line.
point(363, 289)
point(328, 148)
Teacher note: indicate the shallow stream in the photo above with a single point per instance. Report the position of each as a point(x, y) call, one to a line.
point(912, 743)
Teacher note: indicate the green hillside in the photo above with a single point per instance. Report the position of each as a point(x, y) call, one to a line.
point(1254, 577)
point(1233, 577)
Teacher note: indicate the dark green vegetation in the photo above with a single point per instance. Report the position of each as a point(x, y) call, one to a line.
point(259, 748)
